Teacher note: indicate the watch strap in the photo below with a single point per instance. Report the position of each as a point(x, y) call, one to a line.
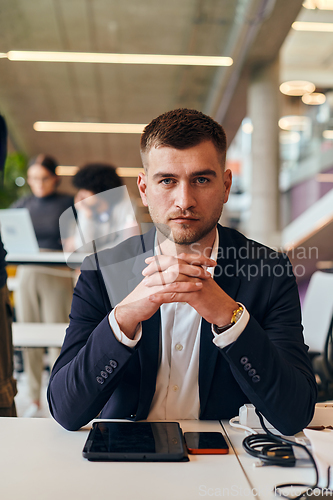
point(221, 329)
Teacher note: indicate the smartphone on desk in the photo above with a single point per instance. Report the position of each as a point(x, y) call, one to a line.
point(206, 443)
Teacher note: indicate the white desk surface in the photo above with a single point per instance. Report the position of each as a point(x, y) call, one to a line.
point(264, 478)
point(40, 460)
point(38, 334)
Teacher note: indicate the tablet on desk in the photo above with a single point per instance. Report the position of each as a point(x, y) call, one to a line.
point(135, 441)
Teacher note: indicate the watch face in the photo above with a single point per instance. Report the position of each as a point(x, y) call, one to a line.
point(238, 315)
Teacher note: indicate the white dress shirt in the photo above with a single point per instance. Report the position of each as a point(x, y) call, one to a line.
point(177, 389)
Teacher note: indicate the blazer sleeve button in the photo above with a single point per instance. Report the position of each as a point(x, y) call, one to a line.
point(104, 374)
point(251, 372)
point(255, 379)
point(100, 380)
point(244, 360)
point(108, 369)
point(113, 363)
point(247, 367)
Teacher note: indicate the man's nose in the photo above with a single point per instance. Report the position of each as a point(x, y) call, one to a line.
point(185, 197)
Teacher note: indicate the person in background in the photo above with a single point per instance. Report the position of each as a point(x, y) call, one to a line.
point(43, 293)
point(7, 383)
point(103, 214)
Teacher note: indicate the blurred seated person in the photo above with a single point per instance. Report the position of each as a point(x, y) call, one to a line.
point(44, 293)
point(104, 214)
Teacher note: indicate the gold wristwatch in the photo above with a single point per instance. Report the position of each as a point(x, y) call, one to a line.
point(237, 313)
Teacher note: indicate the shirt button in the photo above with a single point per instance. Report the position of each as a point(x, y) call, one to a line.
point(113, 363)
point(100, 380)
point(175, 388)
point(178, 347)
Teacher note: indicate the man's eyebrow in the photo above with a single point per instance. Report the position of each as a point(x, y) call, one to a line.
point(207, 171)
point(200, 173)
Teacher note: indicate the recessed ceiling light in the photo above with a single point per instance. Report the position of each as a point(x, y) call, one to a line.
point(98, 128)
point(314, 99)
point(297, 87)
point(311, 26)
point(328, 134)
point(247, 128)
point(294, 122)
point(104, 58)
point(318, 4)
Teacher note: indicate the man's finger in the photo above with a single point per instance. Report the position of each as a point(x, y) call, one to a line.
point(168, 297)
point(172, 275)
point(197, 260)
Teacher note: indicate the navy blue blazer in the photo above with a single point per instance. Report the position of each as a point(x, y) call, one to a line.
point(268, 365)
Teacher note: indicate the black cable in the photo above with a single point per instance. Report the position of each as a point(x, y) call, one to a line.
point(276, 450)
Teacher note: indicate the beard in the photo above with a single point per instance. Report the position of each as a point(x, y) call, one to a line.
point(186, 234)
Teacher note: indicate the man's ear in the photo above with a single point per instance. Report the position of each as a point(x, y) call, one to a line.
point(142, 186)
point(227, 180)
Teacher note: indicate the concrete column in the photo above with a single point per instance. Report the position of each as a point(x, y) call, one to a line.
point(263, 108)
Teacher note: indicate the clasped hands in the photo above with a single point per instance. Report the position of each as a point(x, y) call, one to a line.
point(175, 279)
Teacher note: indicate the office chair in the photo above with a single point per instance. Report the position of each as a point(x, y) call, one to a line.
point(317, 312)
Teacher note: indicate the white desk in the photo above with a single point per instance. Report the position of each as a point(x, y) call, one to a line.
point(264, 478)
point(38, 334)
point(40, 460)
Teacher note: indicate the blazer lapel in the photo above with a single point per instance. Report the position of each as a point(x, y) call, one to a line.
point(148, 348)
point(146, 250)
point(208, 350)
point(148, 354)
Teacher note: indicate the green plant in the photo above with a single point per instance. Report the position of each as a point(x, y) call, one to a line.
point(15, 168)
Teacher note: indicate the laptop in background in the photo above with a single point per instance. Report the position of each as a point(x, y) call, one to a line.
point(17, 231)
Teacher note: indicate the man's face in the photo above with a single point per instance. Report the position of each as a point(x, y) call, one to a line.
point(90, 203)
point(185, 191)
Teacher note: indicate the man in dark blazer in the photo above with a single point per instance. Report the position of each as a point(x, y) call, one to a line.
point(191, 320)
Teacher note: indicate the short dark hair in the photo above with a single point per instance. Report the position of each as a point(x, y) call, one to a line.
point(97, 177)
point(181, 129)
point(46, 161)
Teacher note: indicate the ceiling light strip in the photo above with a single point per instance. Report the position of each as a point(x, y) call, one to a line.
point(129, 171)
point(328, 134)
point(312, 26)
point(104, 58)
point(66, 170)
point(98, 128)
point(70, 170)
